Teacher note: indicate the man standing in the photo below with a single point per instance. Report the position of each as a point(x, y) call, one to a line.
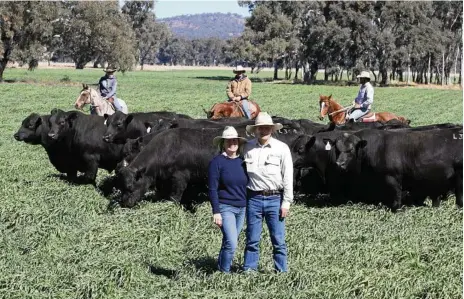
point(107, 85)
point(239, 89)
point(365, 99)
point(269, 191)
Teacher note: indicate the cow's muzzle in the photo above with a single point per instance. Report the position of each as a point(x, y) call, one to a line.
point(107, 138)
point(53, 136)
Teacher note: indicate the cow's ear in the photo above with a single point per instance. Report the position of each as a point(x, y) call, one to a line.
point(71, 118)
point(149, 126)
point(129, 118)
point(55, 111)
point(38, 121)
point(328, 144)
point(310, 143)
point(361, 144)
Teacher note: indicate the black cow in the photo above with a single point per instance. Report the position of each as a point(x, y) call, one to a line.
point(121, 127)
point(83, 136)
point(178, 158)
point(386, 164)
point(34, 130)
point(321, 176)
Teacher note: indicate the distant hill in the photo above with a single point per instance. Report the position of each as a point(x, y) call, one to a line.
point(220, 25)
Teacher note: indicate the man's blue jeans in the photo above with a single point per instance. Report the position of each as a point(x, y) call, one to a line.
point(267, 207)
point(246, 108)
point(232, 223)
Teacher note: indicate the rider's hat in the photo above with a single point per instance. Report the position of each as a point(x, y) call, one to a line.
point(239, 69)
point(364, 74)
point(110, 69)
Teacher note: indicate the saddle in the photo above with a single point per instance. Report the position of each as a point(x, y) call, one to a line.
point(251, 107)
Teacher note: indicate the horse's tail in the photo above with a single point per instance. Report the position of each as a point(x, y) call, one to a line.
point(404, 120)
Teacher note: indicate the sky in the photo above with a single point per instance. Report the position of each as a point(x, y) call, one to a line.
point(170, 8)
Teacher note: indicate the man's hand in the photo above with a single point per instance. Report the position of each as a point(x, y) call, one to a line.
point(283, 212)
point(217, 219)
point(237, 99)
point(356, 105)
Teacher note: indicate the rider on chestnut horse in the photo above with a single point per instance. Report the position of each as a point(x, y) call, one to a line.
point(362, 105)
point(239, 89)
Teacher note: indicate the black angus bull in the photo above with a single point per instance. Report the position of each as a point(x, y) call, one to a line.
point(386, 164)
point(176, 159)
point(82, 135)
point(121, 127)
point(34, 130)
point(315, 166)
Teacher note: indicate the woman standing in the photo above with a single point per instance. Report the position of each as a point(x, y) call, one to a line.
point(227, 180)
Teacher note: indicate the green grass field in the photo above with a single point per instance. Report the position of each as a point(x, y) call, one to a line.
point(61, 241)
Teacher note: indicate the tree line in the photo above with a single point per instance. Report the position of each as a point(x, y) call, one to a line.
point(407, 41)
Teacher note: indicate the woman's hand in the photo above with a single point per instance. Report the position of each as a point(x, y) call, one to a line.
point(217, 219)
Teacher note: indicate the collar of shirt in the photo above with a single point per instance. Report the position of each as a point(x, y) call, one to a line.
point(225, 155)
point(269, 143)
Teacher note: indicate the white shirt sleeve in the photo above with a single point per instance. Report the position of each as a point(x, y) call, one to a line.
point(287, 177)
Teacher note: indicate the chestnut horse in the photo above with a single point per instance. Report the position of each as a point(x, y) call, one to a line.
point(232, 109)
point(337, 113)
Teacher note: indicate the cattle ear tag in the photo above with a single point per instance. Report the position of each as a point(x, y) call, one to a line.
point(327, 146)
point(105, 122)
point(148, 129)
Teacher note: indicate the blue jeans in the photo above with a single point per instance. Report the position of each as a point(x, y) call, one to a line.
point(246, 108)
point(267, 207)
point(117, 104)
point(232, 223)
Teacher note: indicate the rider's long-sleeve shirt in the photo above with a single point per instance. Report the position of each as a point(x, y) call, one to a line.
point(365, 96)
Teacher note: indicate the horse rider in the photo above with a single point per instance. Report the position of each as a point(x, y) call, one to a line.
point(239, 89)
point(107, 86)
point(363, 102)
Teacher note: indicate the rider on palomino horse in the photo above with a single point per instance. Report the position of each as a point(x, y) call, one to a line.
point(107, 86)
point(239, 89)
point(363, 102)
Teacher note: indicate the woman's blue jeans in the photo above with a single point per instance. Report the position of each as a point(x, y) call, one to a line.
point(232, 223)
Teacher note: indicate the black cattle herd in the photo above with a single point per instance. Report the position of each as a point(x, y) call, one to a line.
point(169, 153)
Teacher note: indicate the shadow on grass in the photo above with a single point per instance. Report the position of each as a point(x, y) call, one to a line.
point(169, 273)
point(207, 265)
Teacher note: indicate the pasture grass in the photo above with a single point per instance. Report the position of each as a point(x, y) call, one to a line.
point(61, 241)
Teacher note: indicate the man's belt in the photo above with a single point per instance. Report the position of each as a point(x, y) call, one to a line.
point(267, 192)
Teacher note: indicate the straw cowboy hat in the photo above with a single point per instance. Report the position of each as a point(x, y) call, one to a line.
point(263, 119)
point(110, 69)
point(364, 74)
point(239, 69)
point(228, 133)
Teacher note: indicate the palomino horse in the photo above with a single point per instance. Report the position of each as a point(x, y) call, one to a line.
point(337, 114)
point(232, 109)
point(98, 105)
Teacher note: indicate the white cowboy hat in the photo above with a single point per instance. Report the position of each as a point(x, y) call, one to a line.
point(238, 69)
point(110, 69)
point(364, 74)
point(228, 133)
point(264, 119)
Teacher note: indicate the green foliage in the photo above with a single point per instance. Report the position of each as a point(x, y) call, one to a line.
point(60, 240)
point(25, 28)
